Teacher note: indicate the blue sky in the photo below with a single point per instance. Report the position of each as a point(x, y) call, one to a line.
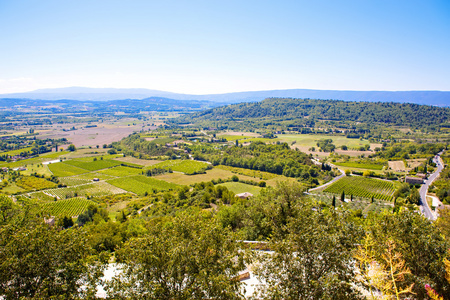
point(211, 46)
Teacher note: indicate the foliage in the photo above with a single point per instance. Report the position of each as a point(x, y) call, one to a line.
point(188, 258)
point(314, 261)
point(31, 183)
point(43, 262)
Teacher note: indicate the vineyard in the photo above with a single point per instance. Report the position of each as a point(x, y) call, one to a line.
point(69, 181)
point(85, 190)
point(62, 169)
point(353, 164)
point(189, 167)
point(93, 165)
point(70, 207)
point(142, 184)
point(252, 173)
point(363, 187)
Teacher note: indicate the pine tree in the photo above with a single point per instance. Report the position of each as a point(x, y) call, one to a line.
point(343, 196)
point(334, 201)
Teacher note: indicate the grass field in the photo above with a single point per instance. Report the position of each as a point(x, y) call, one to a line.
point(185, 166)
point(121, 171)
point(238, 188)
point(16, 152)
point(70, 207)
point(137, 161)
point(90, 176)
point(62, 169)
point(141, 184)
point(70, 181)
point(92, 165)
point(310, 140)
point(367, 166)
point(252, 173)
point(363, 187)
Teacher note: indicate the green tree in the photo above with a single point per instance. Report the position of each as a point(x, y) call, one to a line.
point(189, 258)
point(42, 262)
point(314, 261)
point(71, 147)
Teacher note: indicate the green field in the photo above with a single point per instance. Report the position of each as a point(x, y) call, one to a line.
point(70, 207)
point(92, 165)
point(359, 165)
point(185, 166)
point(16, 152)
point(121, 171)
point(310, 140)
point(62, 169)
point(363, 187)
point(252, 173)
point(140, 184)
point(238, 188)
point(93, 189)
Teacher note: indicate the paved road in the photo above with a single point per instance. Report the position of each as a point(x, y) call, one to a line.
point(424, 189)
point(329, 182)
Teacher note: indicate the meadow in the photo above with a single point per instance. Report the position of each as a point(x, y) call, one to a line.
point(188, 167)
point(238, 188)
point(62, 169)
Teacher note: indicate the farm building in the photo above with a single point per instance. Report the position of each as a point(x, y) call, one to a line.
point(413, 180)
point(421, 175)
point(244, 195)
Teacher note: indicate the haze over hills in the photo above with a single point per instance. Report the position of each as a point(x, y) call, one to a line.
point(437, 98)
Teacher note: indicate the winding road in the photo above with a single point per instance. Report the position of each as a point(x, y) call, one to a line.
point(424, 189)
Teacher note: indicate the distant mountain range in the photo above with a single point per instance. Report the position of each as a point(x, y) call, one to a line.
point(437, 98)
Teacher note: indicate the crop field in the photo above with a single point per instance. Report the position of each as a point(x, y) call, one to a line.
point(121, 171)
point(238, 188)
point(137, 161)
point(31, 183)
point(93, 189)
point(397, 165)
point(90, 176)
point(70, 181)
point(185, 166)
point(62, 169)
point(140, 184)
point(365, 206)
point(93, 165)
point(363, 187)
point(70, 207)
point(360, 165)
point(252, 173)
point(16, 152)
point(41, 196)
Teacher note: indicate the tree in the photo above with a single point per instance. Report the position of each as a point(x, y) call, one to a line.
point(343, 196)
point(314, 261)
point(71, 147)
point(189, 258)
point(43, 262)
point(334, 201)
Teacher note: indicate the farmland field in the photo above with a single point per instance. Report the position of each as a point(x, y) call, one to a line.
point(92, 189)
point(252, 173)
point(69, 181)
point(62, 169)
point(30, 183)
point(121, 171)
point(70, 207)
point(359, 165)
point(310, 140)
point(238, 188)
point(140, 184)
point(185, 166)
point(137, 161)
point(93, 165)
point(363, 187)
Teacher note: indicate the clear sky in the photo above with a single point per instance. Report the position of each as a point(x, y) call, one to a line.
point(220, 46)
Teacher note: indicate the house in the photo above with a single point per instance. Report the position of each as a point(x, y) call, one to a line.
point(244, 195)
point(421, 175)
point(50, 221)
point(413, 180)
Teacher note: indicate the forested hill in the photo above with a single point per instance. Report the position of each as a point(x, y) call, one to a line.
point(300, 110)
